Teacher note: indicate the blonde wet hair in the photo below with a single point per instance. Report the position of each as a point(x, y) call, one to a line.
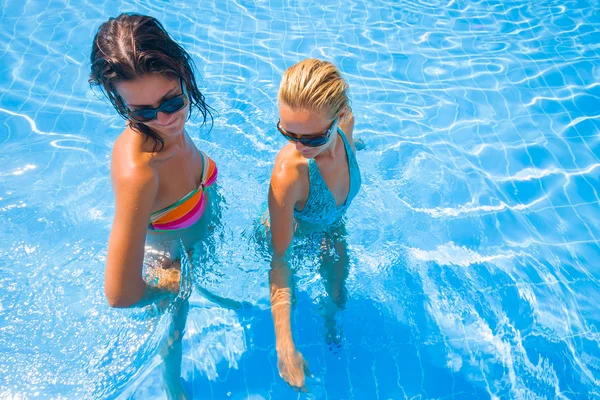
point(315, 85)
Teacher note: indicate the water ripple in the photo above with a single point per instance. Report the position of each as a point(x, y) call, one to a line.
point(473, 243)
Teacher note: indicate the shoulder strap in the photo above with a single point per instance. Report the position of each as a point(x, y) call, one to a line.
point(209, 170)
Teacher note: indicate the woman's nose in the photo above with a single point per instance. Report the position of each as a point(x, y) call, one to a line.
point(164, 119)
point(300, 146)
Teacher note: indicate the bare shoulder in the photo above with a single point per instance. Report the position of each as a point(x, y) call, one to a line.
point(289, 167)
point(130, 166)
point(289, 164)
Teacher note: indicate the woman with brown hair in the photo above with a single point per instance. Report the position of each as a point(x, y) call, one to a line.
point(160, 178)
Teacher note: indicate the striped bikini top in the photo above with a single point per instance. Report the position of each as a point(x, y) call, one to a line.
point(186, 211)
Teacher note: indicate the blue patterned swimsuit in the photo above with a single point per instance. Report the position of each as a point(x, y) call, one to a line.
point(320, 206)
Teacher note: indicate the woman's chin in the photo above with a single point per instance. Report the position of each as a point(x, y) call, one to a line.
point(309, 153)
point(171, 130)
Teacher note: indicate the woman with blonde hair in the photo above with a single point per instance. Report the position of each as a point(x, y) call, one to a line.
point(314, 180)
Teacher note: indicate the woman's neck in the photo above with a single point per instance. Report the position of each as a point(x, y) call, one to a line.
point(173, 146)
point(332, 150)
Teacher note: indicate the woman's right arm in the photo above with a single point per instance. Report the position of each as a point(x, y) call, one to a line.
point(281, 216)
point(135, 190)
point(284, 191)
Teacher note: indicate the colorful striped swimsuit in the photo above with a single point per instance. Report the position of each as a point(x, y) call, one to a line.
point(186, 211)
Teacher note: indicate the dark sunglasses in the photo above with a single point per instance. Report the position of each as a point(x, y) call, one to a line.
point(168, 107)
point(316, 140)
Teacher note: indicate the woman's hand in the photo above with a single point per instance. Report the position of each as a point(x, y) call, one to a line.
point(167, 279)
point(292, 367)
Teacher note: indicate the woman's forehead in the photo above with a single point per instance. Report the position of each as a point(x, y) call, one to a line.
point(146, 90)
point(302, 116)
point(303, 122)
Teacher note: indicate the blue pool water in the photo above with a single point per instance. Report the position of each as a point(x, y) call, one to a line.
point(474, 242)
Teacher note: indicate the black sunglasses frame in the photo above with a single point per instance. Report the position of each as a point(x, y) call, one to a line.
point(161, 107)
point(312, 141)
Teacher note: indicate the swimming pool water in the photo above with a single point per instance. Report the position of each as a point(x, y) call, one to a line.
point(474, 242)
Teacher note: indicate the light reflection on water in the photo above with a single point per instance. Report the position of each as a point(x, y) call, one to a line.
point(472, 243)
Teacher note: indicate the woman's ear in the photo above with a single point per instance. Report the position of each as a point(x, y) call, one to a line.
point(345, 114)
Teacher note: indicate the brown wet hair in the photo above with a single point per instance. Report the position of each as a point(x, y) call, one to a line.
point(132, 45)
